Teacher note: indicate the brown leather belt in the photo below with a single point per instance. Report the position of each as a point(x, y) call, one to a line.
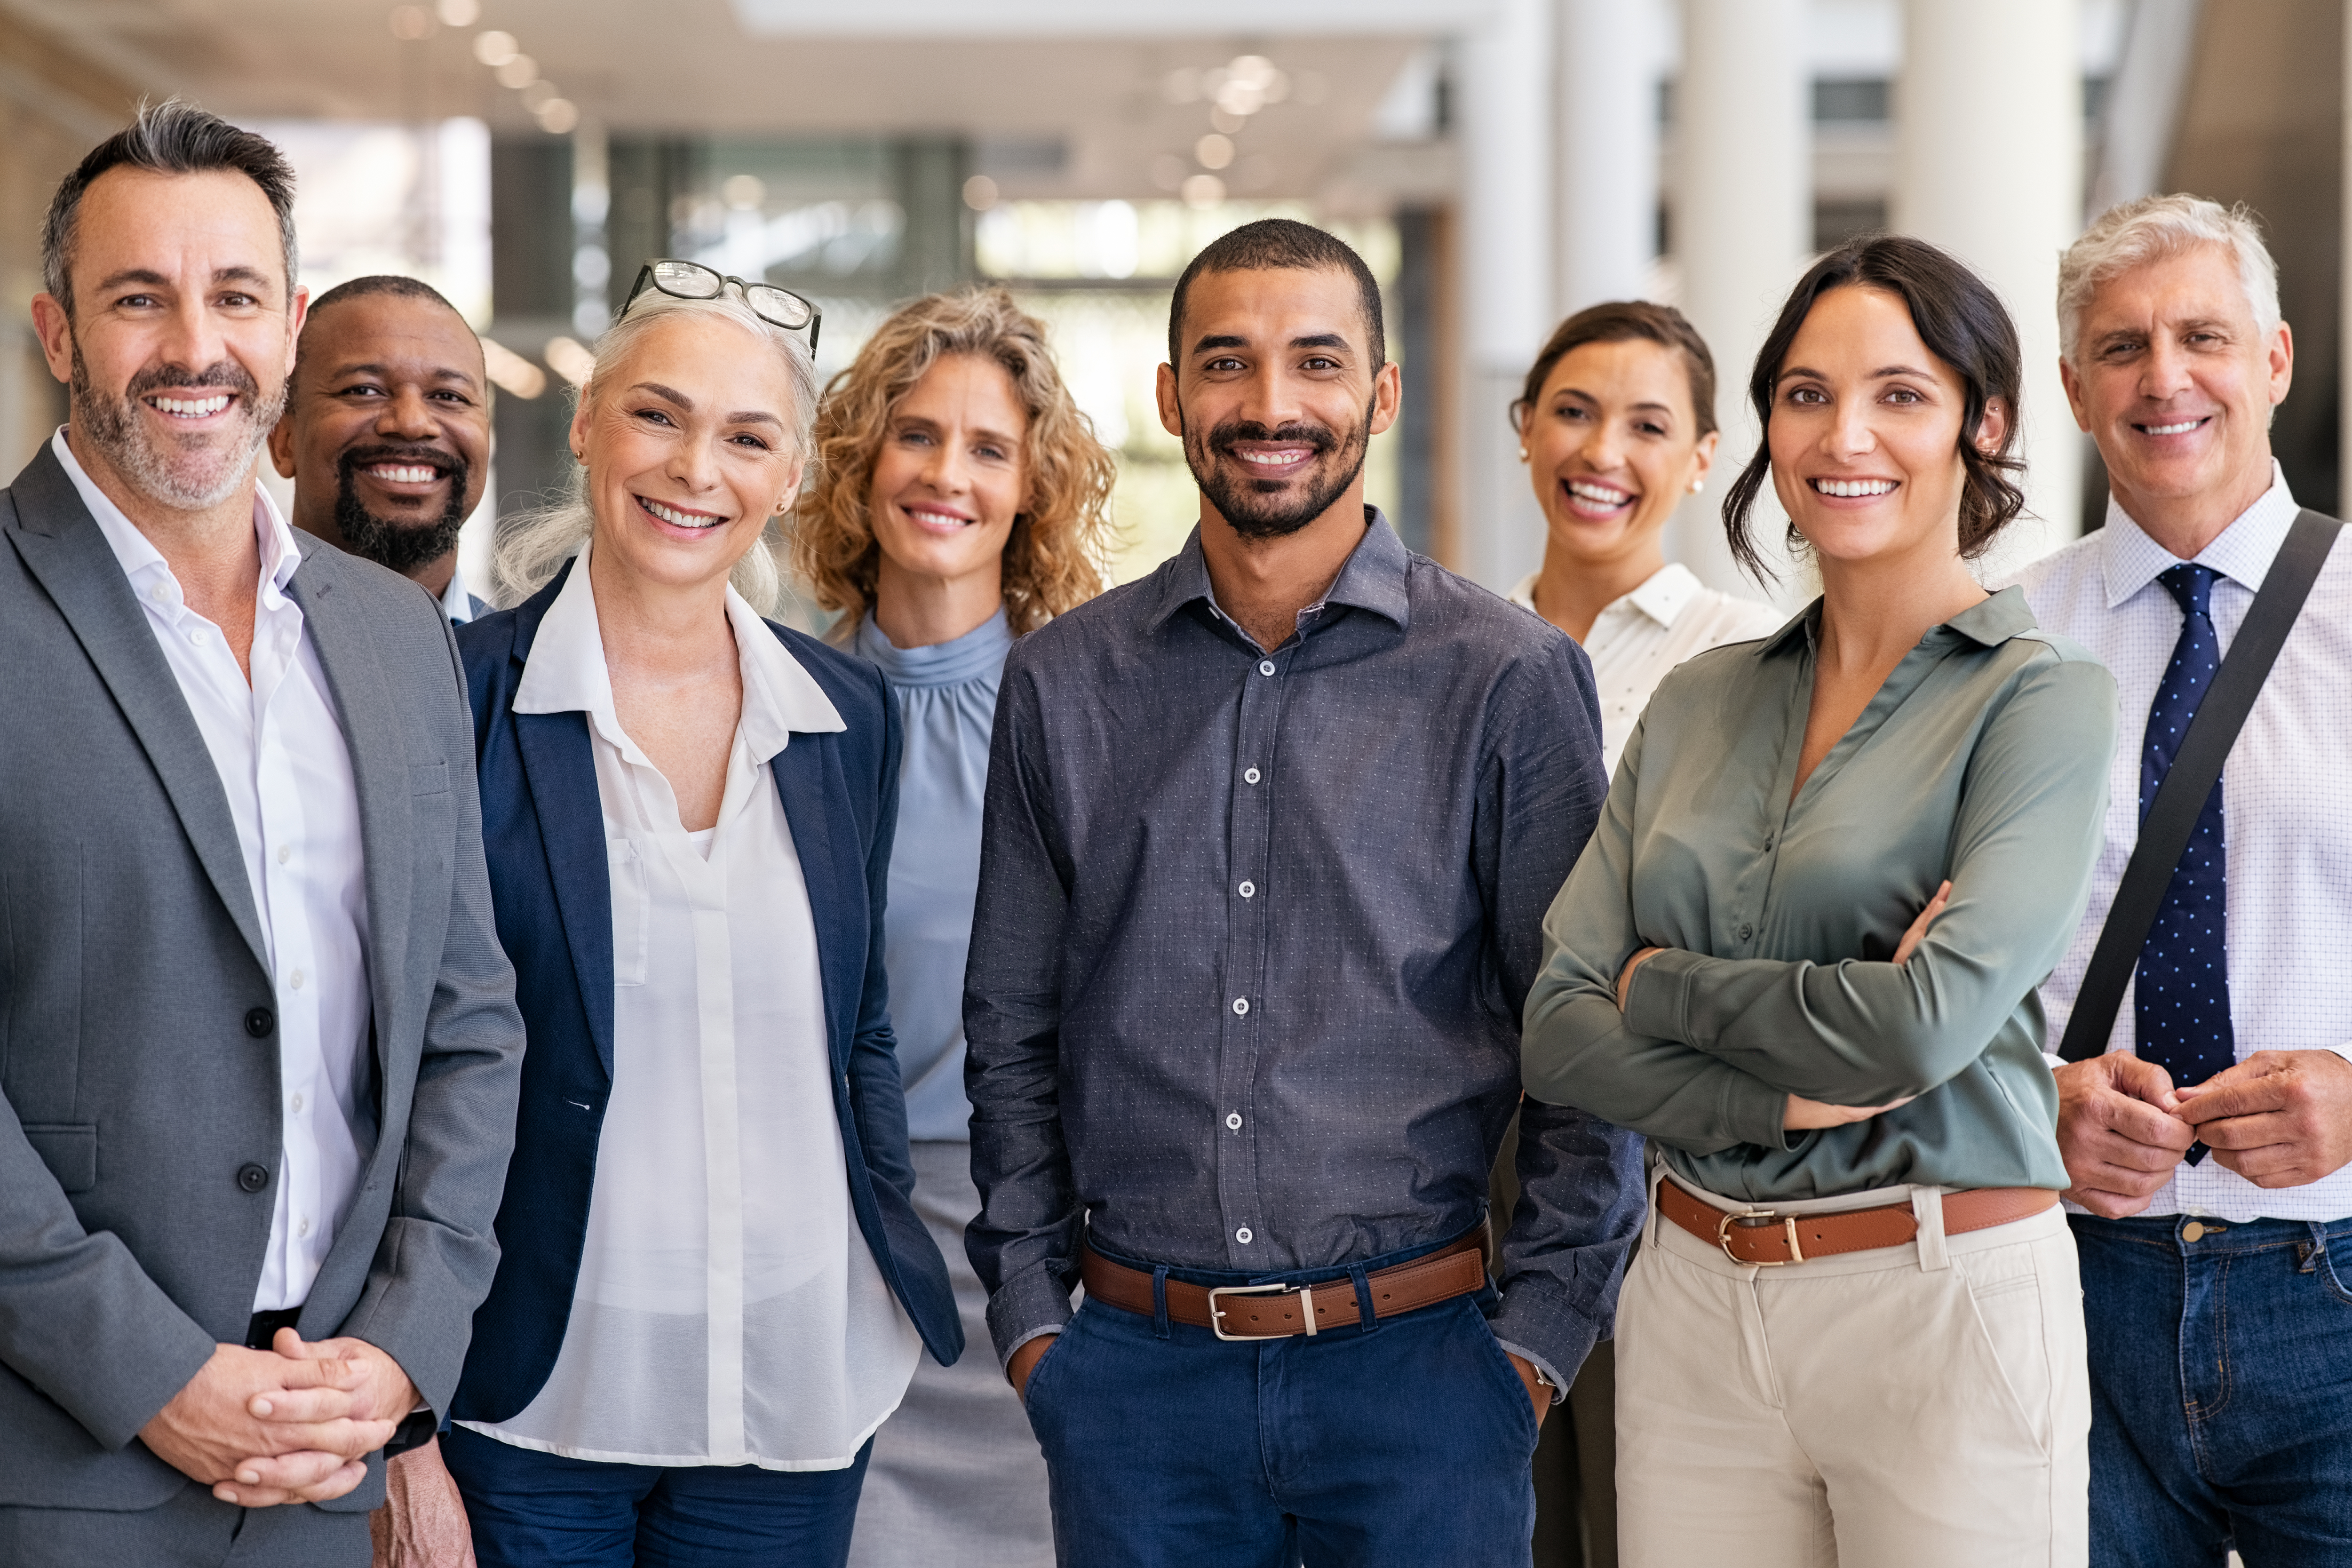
point(1274, 1311)
point(1765, 1240)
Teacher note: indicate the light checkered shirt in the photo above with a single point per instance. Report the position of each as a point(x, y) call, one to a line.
point(2290, 835)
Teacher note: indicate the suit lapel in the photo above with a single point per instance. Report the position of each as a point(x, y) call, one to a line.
point(60, 544)
point(339, 633)
point(561, 766)
point(805, 781)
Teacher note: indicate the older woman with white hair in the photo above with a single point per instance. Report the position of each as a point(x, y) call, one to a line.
point(713, 1287)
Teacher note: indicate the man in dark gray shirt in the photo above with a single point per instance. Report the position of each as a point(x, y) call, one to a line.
point(1269, 837)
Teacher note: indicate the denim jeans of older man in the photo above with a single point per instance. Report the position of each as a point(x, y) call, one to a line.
point(2221, 1390)
point(1401, 1446)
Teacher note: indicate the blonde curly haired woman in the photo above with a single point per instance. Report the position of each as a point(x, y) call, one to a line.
point(963, 500)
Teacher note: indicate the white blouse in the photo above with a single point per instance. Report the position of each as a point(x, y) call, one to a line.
point(1636, 640)
point(728, 1311)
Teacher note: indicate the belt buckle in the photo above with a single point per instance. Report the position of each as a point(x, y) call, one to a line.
point(1217, 1316)
point(1789, 1223)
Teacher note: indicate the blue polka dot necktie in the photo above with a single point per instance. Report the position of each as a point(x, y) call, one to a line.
point(2181, 995)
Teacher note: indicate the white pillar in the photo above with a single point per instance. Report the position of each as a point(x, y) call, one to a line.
point(1989, 164)
point(1505, 277)
point(1607, 152)
point(1742, 229)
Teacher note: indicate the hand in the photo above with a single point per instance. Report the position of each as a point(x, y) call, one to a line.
point(1918, 932)
point(384, 1395)
point(1538, 1394)
point(246, 1411)
point(1805, 1115)
point(1625, 975)
point(1025, 1362)
point(2280, 1118)
point(2117, 1133)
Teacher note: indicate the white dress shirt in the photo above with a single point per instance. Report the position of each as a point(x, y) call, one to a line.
point(456, 602)
point(278, 743)
point(1636, 640)
point(2289, 845)
point(728, 1311)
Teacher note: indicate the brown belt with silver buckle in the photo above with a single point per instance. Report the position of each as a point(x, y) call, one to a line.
point(1274, 1311)
point(1764, 1239)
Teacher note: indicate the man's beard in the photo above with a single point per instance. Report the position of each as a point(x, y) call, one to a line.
point(1271, 509)
point(402, 547)
point(187, 473)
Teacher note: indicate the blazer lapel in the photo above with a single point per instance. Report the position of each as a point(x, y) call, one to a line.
point(561, 767)
point(60, 544)
point(808, 781)
point(345, 645)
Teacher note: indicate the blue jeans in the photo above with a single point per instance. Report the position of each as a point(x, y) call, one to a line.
point(1406, 1443)
point(533, 1509)
point(2221, 1392)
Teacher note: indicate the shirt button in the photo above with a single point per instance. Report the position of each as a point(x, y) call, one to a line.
point(304, 1228)
point(1265, 666)
point(1240, 1004)
point(196, 637)
point(252, 1178)
point(1249, 775)
point(295, 980)
point(1768, 843)
point(1244, 1235)
point(160, 593)
point(284, 853)
point(1249, 890)
point(1747, 932)
point(1233, 1121)
point(298, 1105)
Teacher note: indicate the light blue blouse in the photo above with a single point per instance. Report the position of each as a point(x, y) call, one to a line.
point(947, 698)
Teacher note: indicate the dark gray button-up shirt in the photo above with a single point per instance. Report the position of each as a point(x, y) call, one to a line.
point(1253, 935)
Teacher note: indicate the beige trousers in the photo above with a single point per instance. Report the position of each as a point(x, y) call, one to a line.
point(1917, 1406)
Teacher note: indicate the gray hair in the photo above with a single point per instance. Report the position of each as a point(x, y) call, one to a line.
point(2132, 234)
point(531, 548)
point(168, 138)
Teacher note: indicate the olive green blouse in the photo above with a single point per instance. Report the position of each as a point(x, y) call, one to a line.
point(1984, 758)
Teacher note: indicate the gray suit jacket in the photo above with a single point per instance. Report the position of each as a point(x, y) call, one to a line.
point(138, 1051)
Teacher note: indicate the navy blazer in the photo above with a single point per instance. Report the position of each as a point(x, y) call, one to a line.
point(544, 826)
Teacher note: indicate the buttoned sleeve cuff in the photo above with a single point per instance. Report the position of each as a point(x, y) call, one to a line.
point(1031, 1304)
point(1657, 1003)
point(1536, 1324)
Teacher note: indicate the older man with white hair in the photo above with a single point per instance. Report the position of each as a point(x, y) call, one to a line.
point(2206, 1002)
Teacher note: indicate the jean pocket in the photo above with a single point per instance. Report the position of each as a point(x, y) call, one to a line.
point(2321, 1260)
point(1045, 1374)
point(1507, 1383)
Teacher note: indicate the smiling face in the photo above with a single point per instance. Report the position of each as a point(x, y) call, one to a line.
point(1276, 399)
point(387, 429)
point(952, 473)
point(1613, 443)
point(2175, 380)
point(1866, 432)
point(181, 336)
point(688, 439)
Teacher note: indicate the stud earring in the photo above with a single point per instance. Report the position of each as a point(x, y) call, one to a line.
point(1523, 454)
point(1697, 485)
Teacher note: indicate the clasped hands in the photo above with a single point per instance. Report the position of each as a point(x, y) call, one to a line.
point(2280, 1118)
point(290, 1424)
point(1805, 1115)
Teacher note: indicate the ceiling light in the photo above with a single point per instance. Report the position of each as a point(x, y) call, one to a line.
point(410, 22)
point(1199, 190)
point(1213, 150)
point(980, 193)
point(519, 71)
point(509, 372)
point(744, 192)
point(1227, 124)
point(1238, 96)
point(1254, 70)
point(495, 48)
point(570, 359)
point(1182, 85)
point(459, 13)
point(558, 115)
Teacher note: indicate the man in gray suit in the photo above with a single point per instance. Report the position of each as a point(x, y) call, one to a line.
point(258, 1048)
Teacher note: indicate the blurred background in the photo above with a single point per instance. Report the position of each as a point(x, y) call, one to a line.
point(1499, 162)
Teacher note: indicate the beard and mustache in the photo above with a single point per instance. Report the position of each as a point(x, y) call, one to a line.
point(398, 544)
point(1272, 509)
point(187, 472)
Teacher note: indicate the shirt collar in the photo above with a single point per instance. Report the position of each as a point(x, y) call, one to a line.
point(456, 602)
point(566, 673)
point(1989, 622)
point(2242, 552)
point(1663, 596)
point(1374, 578)
point(280, 554)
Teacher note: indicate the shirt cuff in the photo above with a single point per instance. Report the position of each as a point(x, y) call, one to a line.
point(1656, 1001)
point(1031, 1304)
point(1536, 1323)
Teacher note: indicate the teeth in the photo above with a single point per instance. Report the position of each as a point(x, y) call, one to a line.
point(1853, 486)
point(1600, 493)
point(678, 518)
point(191, 408)
point(404, 474)
point(1270, 459)
point(2172, 430)
point(936, 519)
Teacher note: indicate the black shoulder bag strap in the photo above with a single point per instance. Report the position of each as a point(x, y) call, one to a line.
point(2181, 799)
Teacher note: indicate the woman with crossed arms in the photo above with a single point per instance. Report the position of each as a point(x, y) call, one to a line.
point(1800, 954)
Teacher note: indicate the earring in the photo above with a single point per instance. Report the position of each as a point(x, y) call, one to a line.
point(1697, 485)
point(1523, 454)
